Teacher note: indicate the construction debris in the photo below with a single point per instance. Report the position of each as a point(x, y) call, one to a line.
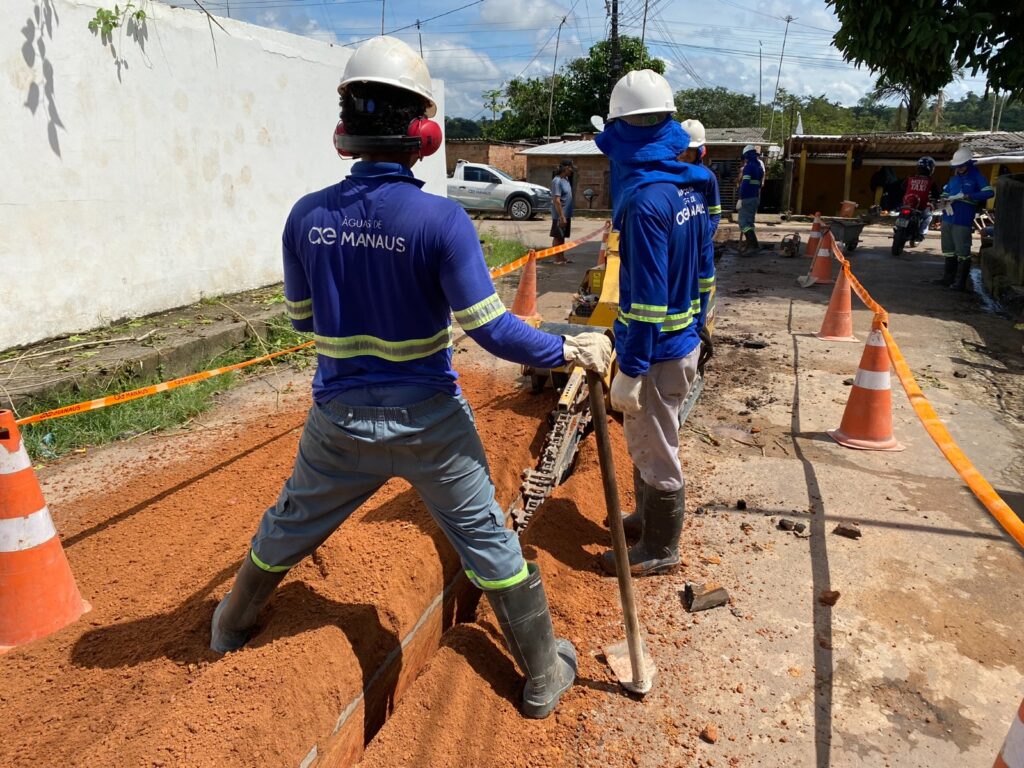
point(828, 597)
point(849, 530)
point(701, 597)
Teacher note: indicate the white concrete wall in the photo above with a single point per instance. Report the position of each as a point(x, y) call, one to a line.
point(146, 174)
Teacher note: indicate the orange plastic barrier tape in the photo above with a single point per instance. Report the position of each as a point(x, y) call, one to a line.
point(505, 269)
point(933, 425)
point(135, 394)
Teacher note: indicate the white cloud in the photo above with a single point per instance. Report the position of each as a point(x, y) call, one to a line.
point(522, 14)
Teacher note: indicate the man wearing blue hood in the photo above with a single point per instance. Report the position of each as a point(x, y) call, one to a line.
point(665, 280)
point(750, 197)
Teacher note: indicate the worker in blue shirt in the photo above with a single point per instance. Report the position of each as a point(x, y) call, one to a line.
point(963, 193)
point(695, 154)
point(751, 181)
point(375, 268)
point(665, 280)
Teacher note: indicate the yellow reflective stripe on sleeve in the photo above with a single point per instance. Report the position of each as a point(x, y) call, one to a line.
point(396, 351)
point(268, 568)
point(746, 178)
point(706, 284)
point(647, 313)
point(986, 189)
point(678, 322)
point(755, 182)
point(299, 310)
point(500, 583)
point(714, 210)
point(480, 313)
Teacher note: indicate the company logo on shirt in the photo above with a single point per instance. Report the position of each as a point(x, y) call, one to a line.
point(693, 206)
point(329, 236)
point(322, 235)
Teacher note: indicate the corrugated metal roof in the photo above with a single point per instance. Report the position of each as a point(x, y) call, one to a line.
point(734, 135)
point(564, 148)
point(715, 137)
point(941, 146)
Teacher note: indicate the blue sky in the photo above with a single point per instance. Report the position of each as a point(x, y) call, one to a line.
point(477, 46)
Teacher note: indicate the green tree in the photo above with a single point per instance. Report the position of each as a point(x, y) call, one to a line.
point(461, 128)
point(920, 46)
point(526, 110)
point(910, 96)
point(717, 107)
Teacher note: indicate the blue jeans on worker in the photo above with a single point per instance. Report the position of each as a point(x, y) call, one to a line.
point(347, 452)
point(748, 209)
point(926, 221)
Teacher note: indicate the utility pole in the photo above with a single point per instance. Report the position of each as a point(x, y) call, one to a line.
point(771, 123)
point(614, 40)
point(999, 119)
point(382, 2)
point(643, 35)
point(760, 86)
point(229, 8)
point(992, 120)
point(554, 65)
point(418, 32)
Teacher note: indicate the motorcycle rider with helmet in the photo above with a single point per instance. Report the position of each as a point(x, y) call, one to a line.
point(920, 191)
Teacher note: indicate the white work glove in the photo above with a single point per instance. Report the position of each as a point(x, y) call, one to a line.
point(957, 196)
point(592, 351)
point(625, 394)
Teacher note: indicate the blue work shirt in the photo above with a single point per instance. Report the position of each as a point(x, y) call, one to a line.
point(375, 267)
point(975, 189)
point(753, 176)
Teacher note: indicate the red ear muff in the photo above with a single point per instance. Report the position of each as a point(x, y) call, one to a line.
point(339, 131)
point(429, 134)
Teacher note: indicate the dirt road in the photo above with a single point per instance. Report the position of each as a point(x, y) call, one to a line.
point(915, 662)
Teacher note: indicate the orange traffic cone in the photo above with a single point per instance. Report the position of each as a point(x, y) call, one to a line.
point(524, 306)
point(867, 420)
point(838, 322)
point(38, 594)
point(1012, 753)
point(821, 267)
point(815, 237)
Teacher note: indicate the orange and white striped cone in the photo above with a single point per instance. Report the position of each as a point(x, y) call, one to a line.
point(867, 420)
point(38, 594)
point(838, 322)
point(602, 254)
point(821, 267)
point(1012, 753)
point(524, 306)
point(814, 238)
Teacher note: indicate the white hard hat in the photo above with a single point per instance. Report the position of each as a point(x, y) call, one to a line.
point(696, 130)
point(389, 61)
point(961, 156)
point(640, 92)
point(748, 148)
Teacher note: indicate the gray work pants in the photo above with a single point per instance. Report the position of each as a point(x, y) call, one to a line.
point(652, 435)
point(956, 240)
point(748, 210)
point(347, 452)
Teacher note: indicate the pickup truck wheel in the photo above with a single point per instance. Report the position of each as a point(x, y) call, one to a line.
point(519, 208)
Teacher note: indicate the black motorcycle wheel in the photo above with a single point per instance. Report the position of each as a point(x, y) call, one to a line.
point(899, 239)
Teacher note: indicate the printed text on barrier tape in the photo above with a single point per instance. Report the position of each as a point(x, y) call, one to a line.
point(135, 394)
point(933, 425)
point(153, 389)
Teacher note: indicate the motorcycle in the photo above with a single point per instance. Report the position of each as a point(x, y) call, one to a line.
point(907, 228)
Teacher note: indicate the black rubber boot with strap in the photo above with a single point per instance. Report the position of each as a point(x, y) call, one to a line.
point(235, 617)
point(633, 524)
point(963, 272)
point(549, 664)
point(658, 549)
point(948, 272)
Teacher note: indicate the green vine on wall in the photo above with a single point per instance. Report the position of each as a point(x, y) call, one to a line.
point(106, 21)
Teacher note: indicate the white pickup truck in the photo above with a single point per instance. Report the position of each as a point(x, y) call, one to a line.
point(478, 187)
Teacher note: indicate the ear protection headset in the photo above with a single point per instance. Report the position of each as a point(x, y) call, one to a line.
point(423, 134)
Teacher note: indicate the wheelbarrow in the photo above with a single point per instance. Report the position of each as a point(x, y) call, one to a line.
point(845, 231)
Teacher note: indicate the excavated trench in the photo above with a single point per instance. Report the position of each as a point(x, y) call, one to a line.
point(342, 641)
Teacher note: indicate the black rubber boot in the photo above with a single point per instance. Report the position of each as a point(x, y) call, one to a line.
point(235, 617)
point(549, 664)
point(658, 549)
point(633, 524)
point(752, 237)
point(948, 272)
point(963, 271)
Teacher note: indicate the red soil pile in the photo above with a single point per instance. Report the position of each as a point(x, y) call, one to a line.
point(462, 711)
point(133, 683)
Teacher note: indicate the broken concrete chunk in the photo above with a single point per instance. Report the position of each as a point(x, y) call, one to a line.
point(701, 597)
point(828, 597)
point(786, 525)
point(849, 530)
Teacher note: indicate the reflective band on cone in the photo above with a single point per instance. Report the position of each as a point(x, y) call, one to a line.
point(814, 239)
point(38, 594)
point(867, 420)
point(1012, 753)
point(821, 267)
point(525, 304)
point(838, 322)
